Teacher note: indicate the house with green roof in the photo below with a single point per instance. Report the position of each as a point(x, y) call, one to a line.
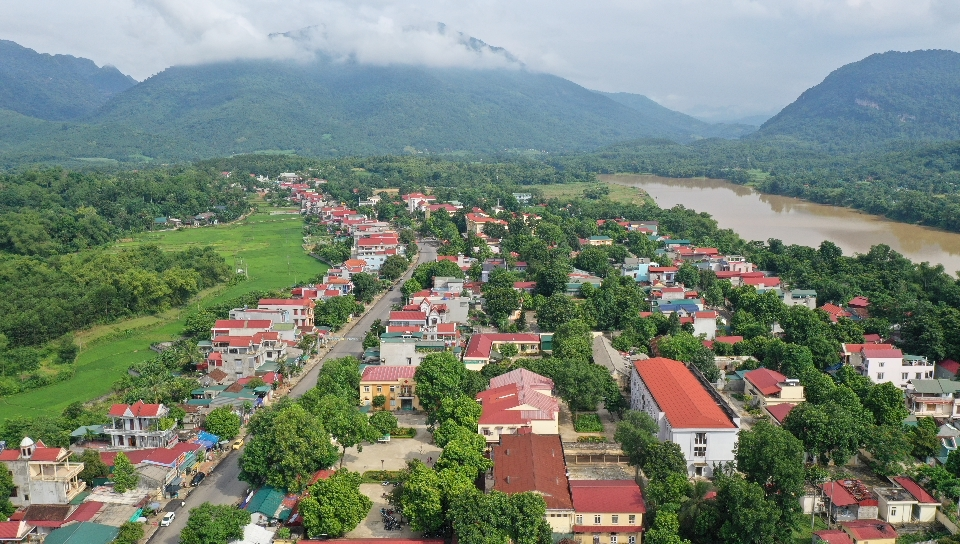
point(934, 398)
point(85, 532)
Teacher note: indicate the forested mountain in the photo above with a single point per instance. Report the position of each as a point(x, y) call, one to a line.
point(679, 122)
point(55, 87)
point(883, 98)
point(327, 108)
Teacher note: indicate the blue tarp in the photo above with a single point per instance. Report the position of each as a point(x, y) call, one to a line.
point(207, 440)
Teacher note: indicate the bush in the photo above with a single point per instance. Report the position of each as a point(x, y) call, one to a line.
point(592, 439)
point(404, 432)
point(587, 423)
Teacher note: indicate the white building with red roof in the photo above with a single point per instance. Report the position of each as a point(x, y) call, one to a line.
point(415, 201)
point(607, 511)
point(301, 309)
point(242, 356)
point(239, 327)
point(906, 502)
point(516, 402)
point(42, 475)
point(688, 412)
point(138, 426)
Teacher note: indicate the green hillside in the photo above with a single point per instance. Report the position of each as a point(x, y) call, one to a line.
point(680, 123)
point(881, 99)
point(55, 87)
point(331, 109)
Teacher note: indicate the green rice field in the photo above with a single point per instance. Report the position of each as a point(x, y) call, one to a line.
point(267, 246)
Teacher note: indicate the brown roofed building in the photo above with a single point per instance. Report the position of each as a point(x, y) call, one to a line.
point(607, 511)
point(535, 463)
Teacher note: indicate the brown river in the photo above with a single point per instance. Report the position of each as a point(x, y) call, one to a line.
point(756, 216)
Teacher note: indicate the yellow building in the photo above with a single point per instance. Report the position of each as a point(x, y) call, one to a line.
point(607, 511)
point(770, 387)
point(395, 383)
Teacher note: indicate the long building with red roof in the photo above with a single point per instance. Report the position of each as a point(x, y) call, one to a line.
point(688, 411)
point(517, 402)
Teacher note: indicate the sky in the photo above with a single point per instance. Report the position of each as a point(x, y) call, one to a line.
point(716, 59)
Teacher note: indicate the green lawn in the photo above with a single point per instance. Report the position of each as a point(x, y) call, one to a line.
point(268, 246)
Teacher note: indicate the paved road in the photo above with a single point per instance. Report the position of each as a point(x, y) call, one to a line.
point(223, 486)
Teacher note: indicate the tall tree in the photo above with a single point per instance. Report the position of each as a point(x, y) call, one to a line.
point(440, 375)
point(665, 530)
point(335, 506)
point(773, 458)
point(214, 524)
point(125, 475)
point(223, 422)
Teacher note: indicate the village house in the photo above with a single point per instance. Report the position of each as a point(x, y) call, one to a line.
point(42, 475)
point(478, 220)
point(607, 511)
point(688, 412)
point(934, 398)
point(302, 309)
point(401, 349)
point(535, 463)
point(906, 502)
point(518, 401)
point(850, 500)
point(395, 383)
point(800, 297)
point(415, 200)
point(770, 388)
point(662, 274)
point(256, 314)
point(17, 531)
point(242, 356)
point(139, 426)
point(481, 347)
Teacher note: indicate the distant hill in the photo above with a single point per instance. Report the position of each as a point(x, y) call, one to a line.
point(680, 123)
point(328, 108)
point(883, 98)
point(55, 87)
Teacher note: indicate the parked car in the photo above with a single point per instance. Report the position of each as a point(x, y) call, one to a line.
point(168, 518)
point(237, 443)
point(197, 478)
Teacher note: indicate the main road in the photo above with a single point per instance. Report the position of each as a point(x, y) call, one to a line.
point(223, 485)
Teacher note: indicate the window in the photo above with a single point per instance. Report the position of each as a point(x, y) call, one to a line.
point(700, 451)
point(578, 519)
point(905, 376)
point(366, 388)
point(700, 438)
point(393, 402)
point(615, 519)
point(379, 389)
point(631, 539)
point(881, 364)
point(893, 511)
point(880, 375)
point(632, 519)
point(698, 471)
point(613, 539)
point(392, 388)
point(486, 432)
point(919, 374)
point(596, 519)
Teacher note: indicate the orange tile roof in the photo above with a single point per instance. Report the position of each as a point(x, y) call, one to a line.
point(532, 462)
point(680, 395)
point(602, 496)
point(765, 380)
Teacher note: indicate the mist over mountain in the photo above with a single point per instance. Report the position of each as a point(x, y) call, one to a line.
point(884, 98)
point(55, 87)
point(680, 122)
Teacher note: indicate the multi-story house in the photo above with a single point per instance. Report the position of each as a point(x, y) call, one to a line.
point(688, 412)
point(42, 475)
point(891, 365)
point(934, 398)
point(771, 388)
point(242, 356)
point(607, 511)
point(301, 309)
point(395, 383)
point(139, 426)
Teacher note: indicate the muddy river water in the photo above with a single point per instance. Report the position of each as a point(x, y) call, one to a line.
point(756, 216)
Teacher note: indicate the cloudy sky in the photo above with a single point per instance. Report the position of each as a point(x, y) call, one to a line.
point(719, 59)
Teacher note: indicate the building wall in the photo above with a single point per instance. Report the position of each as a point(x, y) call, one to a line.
point(894, 370)
point(895, 512)
point(706, 327)
point(561, 521)
point(383, 388)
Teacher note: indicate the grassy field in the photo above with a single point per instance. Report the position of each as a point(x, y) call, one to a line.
point(268, 246)
point(618, 193)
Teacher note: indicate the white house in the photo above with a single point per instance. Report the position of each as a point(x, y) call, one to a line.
point(687, 410)
point(891, 365)
point(42, 475)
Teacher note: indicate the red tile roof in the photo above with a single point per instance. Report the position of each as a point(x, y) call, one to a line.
point(781, 411)
point(304, 302)
point(86, 511)
point(869, 529)
point(13, 530)
point(622, 529)
point(47, 454)
point(603, 496)
point(765, 380)
point(834, 311)
point(728, 339)
point(838, 494)
point(950, 366)
point(834, 536)
point(10, 455)
point(407, 316)
point(387, 373)
point(857, 348)
point(138, 409)
point(859, 302)
point(532, 462)
point(523, 378)
point(914, 489)
point(870, 350)
point(680, 395)
point(243, 324)
point(481, 344)
point(500, 405)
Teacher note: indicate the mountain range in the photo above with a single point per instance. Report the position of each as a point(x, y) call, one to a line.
point(58, 108)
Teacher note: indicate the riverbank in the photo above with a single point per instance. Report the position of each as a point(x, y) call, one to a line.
point(794, 221)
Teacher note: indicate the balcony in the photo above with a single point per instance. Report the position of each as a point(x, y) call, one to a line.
point(405, 392)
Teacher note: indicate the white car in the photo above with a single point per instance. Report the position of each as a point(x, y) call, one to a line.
point(167, 519)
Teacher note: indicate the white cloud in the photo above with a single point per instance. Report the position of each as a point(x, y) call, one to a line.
point(700, 55)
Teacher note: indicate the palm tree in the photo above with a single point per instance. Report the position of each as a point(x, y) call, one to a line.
point(693, 507)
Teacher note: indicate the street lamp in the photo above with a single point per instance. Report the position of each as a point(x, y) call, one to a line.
point(381, 465)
